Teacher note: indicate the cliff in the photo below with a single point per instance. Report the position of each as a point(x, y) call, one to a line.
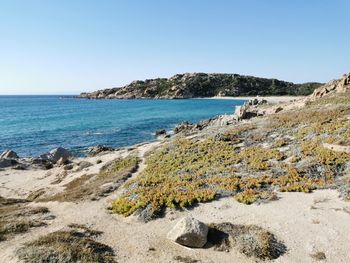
point(199, 85)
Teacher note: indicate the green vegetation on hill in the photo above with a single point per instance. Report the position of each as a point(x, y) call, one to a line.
point(250, 161)
point(204, 85)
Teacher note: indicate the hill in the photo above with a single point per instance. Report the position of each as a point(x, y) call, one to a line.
point(201, 85)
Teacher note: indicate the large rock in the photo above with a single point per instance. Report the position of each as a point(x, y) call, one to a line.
point(189, 232)
point(183, 126)
point(9, 154)
point(57, 154)
point(334, 86)
point(4, 163)
point(161, 132)
point(95, 150)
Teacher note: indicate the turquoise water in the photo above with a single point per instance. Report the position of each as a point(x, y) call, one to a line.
point(31, 125)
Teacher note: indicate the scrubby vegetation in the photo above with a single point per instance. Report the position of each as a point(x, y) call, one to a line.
point(17, 217)
point(75, 244)
point(251, 161)
point(95, 186)
point(253, 241)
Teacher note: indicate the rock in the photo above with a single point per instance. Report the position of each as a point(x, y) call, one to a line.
point(62, 161)
point(146, 214)
point(20, 167)
point(256, 102)
point(9, 154)
point(245, 112)
point(56, 154)
point(278, 109)
point(334, 86)
point(95, 150)
point(4, 163)
point(183, 126)
point(337, 148)
point(221, 120)
point(68, 167)
point(84, 164)
point(160, 132)
point(189, 232)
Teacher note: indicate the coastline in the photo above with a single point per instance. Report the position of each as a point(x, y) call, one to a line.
point(323, 211)
point(269, 99)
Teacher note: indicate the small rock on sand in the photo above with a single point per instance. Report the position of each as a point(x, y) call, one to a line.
point(189, 232)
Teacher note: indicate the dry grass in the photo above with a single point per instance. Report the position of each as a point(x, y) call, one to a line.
point(96, 186)
point(319, 256)
point(253, 241)
point(17, 217)
point(185, 259)
point(76, 244)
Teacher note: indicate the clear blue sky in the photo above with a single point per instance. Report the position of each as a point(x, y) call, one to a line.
point(68, 46)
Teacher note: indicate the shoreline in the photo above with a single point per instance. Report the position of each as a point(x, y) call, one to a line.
point(78, 188)
point(270, 99)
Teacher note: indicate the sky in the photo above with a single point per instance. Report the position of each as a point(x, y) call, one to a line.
point(70, 46)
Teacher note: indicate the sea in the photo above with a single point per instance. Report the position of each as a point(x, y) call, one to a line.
point(32, 125)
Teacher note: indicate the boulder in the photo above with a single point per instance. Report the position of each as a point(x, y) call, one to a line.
point(58, 154)
point(84, 164)
point(183, 126)
point(95, 150)
point(160, 132)
point(245, 111)
point(4, 162)
point(334, 86)
point(62, 161)
point(68, 167)
point(189, 232)
point(9, 154)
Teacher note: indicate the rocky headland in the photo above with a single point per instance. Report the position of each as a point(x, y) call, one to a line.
point(270, 182)
point(203, 85)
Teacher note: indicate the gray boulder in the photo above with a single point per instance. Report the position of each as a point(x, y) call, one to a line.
point(9, 154)
point(57, 154)
point(161, 132)
point(4, 163)
point(189, 232)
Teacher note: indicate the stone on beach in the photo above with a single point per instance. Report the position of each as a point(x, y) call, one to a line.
point(189, 232)
point(9, 154)
point(4, 163)
point(95, 150)
point(160, 132)
point(58, 154)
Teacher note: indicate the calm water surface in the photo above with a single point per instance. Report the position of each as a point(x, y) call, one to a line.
point(31, 125)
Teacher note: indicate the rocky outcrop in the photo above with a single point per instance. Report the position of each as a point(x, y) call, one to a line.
point(98, 149)
point(59, 154)
point(4, 162)
point(161, 132)
point(334, 86)
point(189, 232)
point(250, 109)
point(9, 154)
point(196, 85)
